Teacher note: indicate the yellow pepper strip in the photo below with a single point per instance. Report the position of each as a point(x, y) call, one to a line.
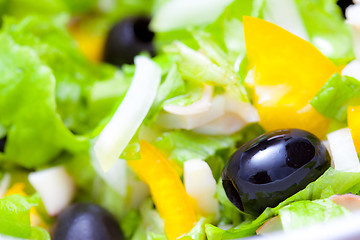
point(90, 44)
point(353, 118)
point(289, 71)
point(167, 190)
point(16, 189)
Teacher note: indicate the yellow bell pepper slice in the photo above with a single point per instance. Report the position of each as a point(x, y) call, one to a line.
point(167, 190)
point(16, 189)
point(90, 44)
point(289, 71)
point(353, 119)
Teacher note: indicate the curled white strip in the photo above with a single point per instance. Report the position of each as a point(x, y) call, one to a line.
point(128, 117)
point(200, 106)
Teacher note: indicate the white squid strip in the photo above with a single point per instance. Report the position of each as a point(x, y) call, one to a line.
point(188, 122)
point(227, 124)
point(247, 112)
point(200, 106)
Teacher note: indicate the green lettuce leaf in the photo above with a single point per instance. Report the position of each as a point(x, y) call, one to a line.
point(151, 226)
point(172, 86)
point(330, 183)
point(336, 95)
point(305, 213)
point(38, 233)
point(228, 30)
point(15, 217)
point(22, 8)
point(327, 29)
point(198, 231)
point(28, 108)
point(182, 146)
point(80, 106)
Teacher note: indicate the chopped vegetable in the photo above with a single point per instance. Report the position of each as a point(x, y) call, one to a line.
point(335, 96)
point(167, 190)
point(353, 119)
point(118, 132)
point(285, 65)
point(201, 186)
point(55, 187)
point(343, 151)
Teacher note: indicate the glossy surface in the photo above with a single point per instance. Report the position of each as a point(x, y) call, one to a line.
point(84, 221)
point(272, 167)
point(343, 4)
point(127, 39)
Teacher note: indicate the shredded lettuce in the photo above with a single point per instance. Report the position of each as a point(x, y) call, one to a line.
point(15, 217)
point(151, 226)
point(330, 183)
point(75, 76)
point(305, 213)
point(172, 86)
point(182, 146)
point(27, 90)
point(21, 8)
point(327, 29)
point(198, 231)
point(336, 95)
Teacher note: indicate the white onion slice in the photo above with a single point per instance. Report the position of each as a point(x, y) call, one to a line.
point(227, 124)
point(188, 122)
point(353, 19)
point(247, 112)
point(130, 114)
point(353, 16)
point(179, 14)
point(356, 44)
point(343, 151)
point(285, 14)
point(4, 184)
point(200, 106)
point(201, 185)
point(124, 182)
point(352, 70)
point(55, 186)
point(115, 177)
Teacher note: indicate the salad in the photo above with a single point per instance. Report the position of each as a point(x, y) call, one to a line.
point(177, 119)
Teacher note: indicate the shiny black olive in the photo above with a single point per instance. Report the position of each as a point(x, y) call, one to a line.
point(2, 144)
point(272, 167)
point(85, 221)
point(127, 39)
point(343, 4)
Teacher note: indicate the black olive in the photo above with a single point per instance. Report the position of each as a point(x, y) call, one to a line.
point(343, 4)
point(272, 167)
point(2, 144)
point(127, 39)
point(85, 221)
